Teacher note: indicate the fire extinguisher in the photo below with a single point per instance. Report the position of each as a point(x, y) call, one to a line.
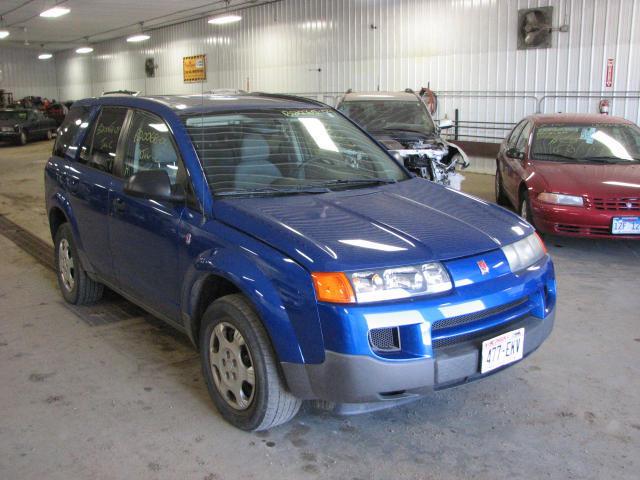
point(603, 106)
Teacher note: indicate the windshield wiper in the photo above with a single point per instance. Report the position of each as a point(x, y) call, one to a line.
point(275, 191)
point(558, 155)
point(608, 159)
point(360, 181)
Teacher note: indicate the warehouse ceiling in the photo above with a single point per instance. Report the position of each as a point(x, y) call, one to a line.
point(100, 19)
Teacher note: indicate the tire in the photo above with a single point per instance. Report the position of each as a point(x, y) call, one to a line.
point(76, 286)
point(524, 209)
point(22, 138)
point(501, 197)
point(262, 405)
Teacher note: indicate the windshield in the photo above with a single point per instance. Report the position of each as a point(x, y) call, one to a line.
point(596, 143)
point(13, 115)
point(287, 151)
point(388, 115)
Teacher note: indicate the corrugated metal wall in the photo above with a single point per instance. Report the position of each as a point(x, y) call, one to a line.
point(23, 74)
point(466, 49)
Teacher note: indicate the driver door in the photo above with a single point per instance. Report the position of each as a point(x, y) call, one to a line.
point(144, 232)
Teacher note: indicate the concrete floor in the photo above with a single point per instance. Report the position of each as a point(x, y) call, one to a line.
point(127, 400)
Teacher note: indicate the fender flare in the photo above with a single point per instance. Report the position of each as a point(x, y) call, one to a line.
point(60, 202)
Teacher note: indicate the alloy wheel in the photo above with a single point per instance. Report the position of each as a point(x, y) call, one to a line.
point(232, 366)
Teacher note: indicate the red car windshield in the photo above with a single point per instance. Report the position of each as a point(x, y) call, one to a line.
point(595, 143)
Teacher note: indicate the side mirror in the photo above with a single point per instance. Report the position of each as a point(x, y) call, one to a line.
point(444, 124)
point(513, 152)
point(153, 185)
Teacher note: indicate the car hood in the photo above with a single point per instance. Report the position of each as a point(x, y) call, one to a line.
point(9, 123)
point(593, 180)
point(405, 223)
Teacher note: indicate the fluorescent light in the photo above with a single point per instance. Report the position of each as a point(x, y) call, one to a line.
point(138, 37)
point(224, 19)
point(84, 50)
point(45, 56)
point(4, 34)
point(55, 12)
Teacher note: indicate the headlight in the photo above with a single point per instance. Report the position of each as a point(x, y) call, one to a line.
point(561, 199)
point(383, 284)
point(524, 253)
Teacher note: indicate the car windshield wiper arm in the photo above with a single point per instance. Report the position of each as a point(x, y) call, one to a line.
point(608, 159)
point(359, 181)
point(275, 190)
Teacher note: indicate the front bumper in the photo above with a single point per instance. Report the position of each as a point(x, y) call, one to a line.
point(577, 221)
point(9, 135)
point(359, 379)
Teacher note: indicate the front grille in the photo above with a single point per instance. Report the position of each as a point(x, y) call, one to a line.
point(384, 339)
point(582, 229)
point(620, 204)
point(479, 336)
point(476, 316)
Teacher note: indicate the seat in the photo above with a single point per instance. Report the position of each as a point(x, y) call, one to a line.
point(254, 169)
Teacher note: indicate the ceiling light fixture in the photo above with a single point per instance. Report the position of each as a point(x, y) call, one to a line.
point(224, 19)
point(45, 56)
point(55, 12)
point(86, 49)
point(138, 37)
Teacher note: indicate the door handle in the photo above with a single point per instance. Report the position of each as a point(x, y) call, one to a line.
point(72, 183)
point(119, 205)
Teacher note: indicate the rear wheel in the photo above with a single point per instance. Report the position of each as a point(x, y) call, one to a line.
point(76, 286)
point(240, 367)
point(501, 198)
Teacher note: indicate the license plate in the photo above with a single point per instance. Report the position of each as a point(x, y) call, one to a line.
point(625, 226)
point(502, 350)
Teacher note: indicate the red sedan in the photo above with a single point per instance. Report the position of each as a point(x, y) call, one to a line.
point(576, 175)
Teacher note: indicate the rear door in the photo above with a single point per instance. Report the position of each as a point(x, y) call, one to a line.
point(144, 232)
point(88, 182)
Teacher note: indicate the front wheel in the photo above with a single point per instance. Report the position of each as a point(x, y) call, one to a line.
point(76, 286)
point(501, 198)
point(22, 138)
point(240, 367)
point(525, 207)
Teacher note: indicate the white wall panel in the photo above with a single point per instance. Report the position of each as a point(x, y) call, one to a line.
point(463, 46)
point(23, 74)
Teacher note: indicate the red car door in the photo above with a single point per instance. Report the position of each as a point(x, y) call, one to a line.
point(504, 166)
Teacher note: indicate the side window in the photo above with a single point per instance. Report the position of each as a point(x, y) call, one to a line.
point(515, 133)
point(99, 148)
point(150, 147)
point(523, 139)
point(75, 121)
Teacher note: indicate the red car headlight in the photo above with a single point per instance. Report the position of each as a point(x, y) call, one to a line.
point(561, 199)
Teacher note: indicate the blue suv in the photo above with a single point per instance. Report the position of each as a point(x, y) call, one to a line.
point(302, 260)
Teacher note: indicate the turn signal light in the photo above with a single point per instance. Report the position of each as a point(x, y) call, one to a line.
point(333, 287)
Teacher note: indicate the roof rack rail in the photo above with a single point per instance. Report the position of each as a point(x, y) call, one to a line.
point(133, 93)
point(284, 96)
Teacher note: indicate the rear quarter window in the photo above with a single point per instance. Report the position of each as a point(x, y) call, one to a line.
point(76, 120)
